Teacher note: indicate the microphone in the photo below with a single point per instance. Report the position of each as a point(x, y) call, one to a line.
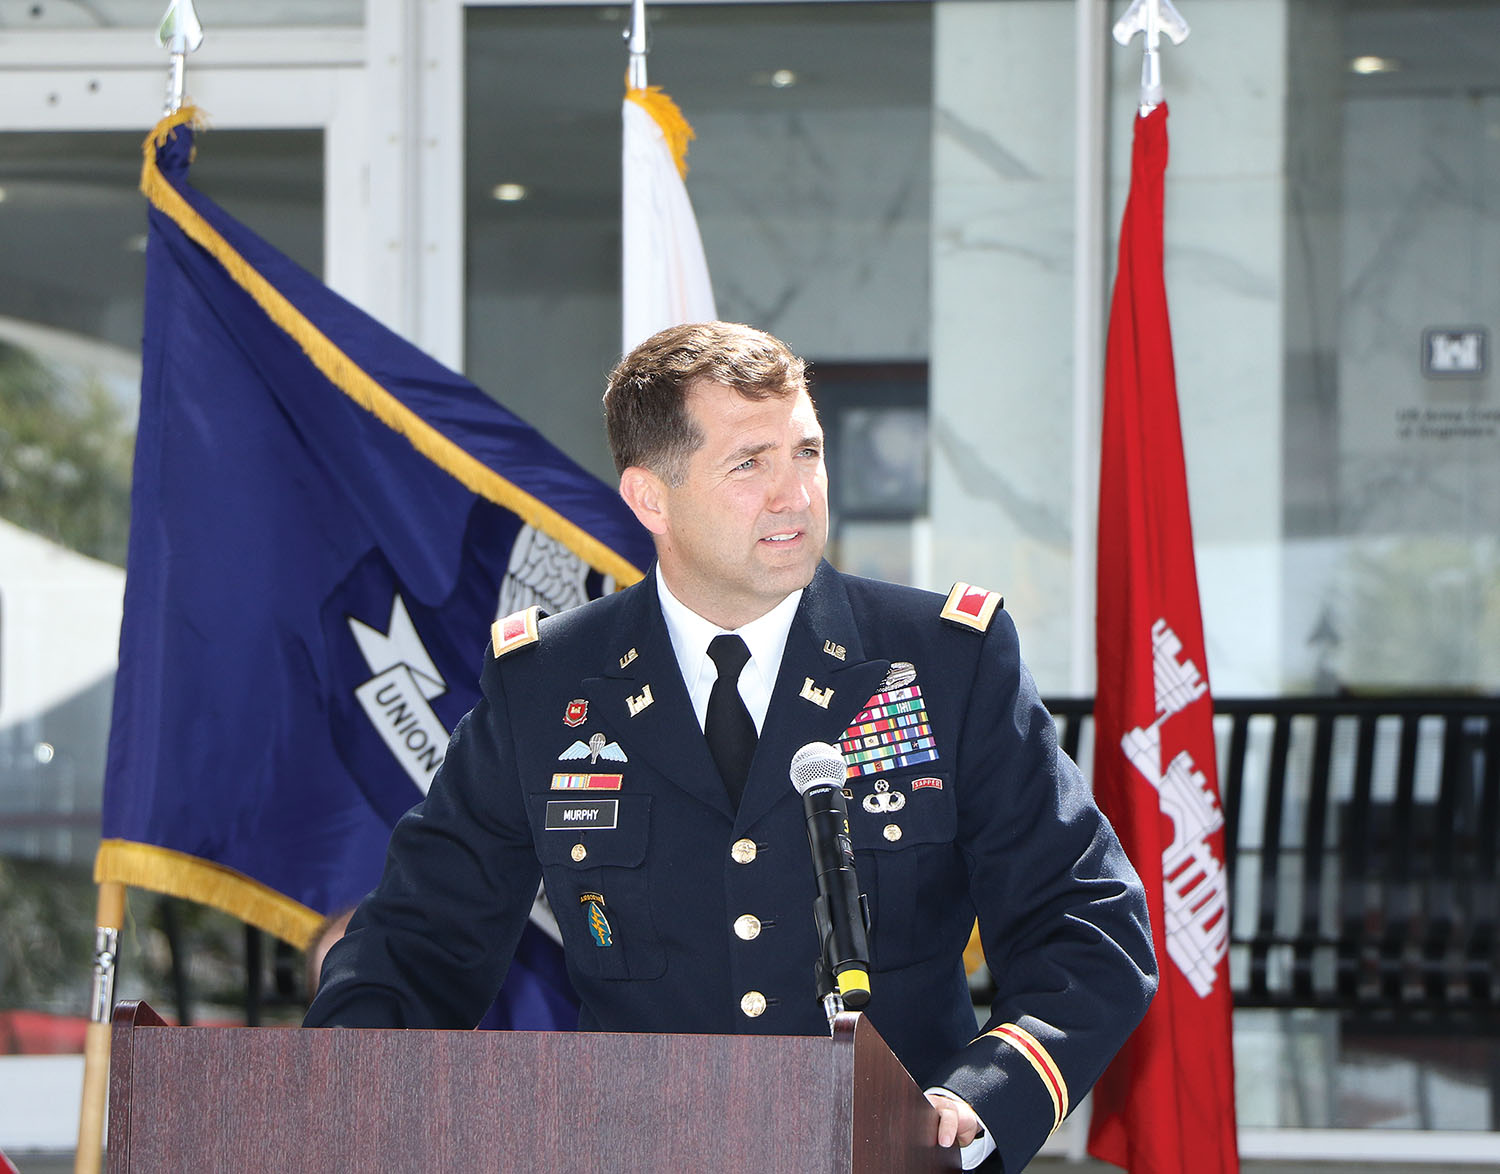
point(842, 913)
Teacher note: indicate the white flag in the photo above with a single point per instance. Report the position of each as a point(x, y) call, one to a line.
point(665, 273)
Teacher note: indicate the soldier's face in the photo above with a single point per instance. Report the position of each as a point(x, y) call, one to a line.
point(748, 524)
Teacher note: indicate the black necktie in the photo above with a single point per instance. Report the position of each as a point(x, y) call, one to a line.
point(727, 725)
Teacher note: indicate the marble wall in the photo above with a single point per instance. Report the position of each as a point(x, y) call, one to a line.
point(1002, 312)
point(1001, 367)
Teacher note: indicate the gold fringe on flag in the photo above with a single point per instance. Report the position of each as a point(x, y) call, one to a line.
point(164, 870)
point(655, 102)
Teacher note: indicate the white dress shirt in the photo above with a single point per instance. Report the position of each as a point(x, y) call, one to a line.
point(765, 637)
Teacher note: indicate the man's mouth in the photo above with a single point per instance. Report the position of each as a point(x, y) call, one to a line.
point(782, 537)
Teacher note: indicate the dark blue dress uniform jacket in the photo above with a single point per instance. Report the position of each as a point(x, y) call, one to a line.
point(1002, 827)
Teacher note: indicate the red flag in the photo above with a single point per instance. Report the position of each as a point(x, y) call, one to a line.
point(1166, 1104)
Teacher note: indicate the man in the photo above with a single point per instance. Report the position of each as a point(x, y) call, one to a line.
point(679, 873)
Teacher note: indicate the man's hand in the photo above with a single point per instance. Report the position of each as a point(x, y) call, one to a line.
point(957, 1121)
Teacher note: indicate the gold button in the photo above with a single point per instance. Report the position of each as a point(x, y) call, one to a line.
point(753, 1004)
point(579, 852)
point(743, 851)
point(747, 927)
point(892, 831)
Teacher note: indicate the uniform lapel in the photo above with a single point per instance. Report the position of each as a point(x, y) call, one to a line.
point(645, 704)
point(802, 708)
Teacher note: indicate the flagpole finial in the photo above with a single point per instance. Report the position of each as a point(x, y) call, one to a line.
point(179, 33)
point(1151, 18)
point(637, 40)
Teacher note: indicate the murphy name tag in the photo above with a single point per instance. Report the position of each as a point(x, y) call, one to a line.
point(566, 815)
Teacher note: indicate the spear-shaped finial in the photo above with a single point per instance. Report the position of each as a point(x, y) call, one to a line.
point(179, 34)
point(635, 37)
point(1151, 17)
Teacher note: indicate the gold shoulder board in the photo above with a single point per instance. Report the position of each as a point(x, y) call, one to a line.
point(971, 607)
point(514, 631)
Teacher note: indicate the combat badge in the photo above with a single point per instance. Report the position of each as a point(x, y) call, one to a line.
point(577, 712)
point(971, 607)
point(901, 674)
point(593, 904)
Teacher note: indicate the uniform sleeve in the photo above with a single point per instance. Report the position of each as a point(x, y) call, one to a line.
point(1061, 913)
point(430, 946)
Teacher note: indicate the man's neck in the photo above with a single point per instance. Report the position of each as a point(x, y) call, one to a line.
point(722, 613)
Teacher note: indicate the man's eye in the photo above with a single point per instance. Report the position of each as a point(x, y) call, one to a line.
point(747, 463)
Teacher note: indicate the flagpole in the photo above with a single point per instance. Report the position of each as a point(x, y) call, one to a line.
point(1089, 185)
point(108, 919)
point(180, 34)
point(635, 38)
point(1151, 18)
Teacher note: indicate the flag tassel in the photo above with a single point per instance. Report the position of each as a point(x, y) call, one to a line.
point(107, 922)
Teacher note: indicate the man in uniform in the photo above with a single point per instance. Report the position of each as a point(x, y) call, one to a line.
point(637, 750)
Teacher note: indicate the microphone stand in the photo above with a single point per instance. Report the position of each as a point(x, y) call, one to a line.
point(833, 1002)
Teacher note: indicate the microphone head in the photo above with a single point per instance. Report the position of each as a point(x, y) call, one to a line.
point(818, 764)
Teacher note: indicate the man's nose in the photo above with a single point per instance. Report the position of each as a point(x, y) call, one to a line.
point(790, 491)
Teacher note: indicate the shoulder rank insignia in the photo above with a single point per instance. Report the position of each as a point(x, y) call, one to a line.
point(972, 607)
point(514, 631)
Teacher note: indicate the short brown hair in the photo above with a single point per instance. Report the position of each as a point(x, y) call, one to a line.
point(645, 404)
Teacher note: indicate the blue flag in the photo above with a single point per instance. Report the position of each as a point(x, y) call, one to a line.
point(325, 523)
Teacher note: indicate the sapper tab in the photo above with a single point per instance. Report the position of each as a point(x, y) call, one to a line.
point(972, 607)
point(516, 630)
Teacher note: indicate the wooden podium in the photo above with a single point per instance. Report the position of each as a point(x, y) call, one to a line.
point(289, 1099)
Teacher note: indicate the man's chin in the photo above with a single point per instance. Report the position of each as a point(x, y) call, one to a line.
point(793, 574)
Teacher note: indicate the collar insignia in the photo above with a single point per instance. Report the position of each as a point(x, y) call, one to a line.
point(819, 697)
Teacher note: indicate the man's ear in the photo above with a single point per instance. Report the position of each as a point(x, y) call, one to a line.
point(645, 493)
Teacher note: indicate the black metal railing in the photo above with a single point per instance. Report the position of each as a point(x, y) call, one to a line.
point(1362, 838)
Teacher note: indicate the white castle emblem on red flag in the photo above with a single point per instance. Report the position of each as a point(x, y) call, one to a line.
point(1195, 889)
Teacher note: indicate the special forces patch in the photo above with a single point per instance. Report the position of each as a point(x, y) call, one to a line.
point(598, 921)
point(892, 730)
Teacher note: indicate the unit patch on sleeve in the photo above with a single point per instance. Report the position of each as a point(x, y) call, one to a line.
point(514, 631)
point(971, 607)
point(892, 730)
point(598, 921)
